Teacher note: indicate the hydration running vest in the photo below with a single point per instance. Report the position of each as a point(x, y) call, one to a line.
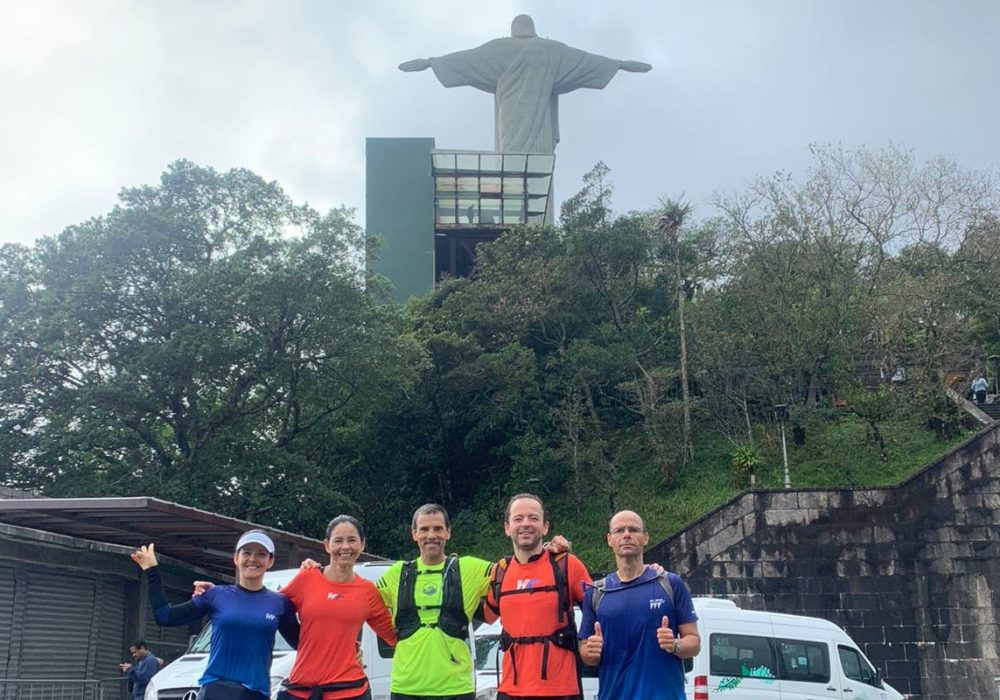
point(452, 619)
point(564, 637)
point(600, 589)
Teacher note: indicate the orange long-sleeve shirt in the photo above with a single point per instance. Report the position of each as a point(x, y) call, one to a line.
point(332, 615)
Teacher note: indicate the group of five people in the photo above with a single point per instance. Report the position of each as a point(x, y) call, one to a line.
point(638, 623)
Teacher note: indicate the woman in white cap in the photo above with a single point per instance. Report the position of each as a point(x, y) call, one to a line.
point(244, 618)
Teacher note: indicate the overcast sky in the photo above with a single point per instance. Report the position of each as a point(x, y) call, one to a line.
point(96, 95)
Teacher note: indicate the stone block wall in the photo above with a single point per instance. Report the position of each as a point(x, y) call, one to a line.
point(912, 572)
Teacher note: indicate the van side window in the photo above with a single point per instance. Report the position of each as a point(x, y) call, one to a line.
point(741, 656)
point(856, 667)
point(803, 661)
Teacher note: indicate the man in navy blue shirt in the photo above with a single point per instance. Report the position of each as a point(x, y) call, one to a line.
point(637, 624)
point(145, 666)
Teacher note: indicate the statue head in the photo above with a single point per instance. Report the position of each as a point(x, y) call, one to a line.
point(522, 27)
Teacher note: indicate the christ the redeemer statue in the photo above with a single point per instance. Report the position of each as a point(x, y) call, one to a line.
point(526, 74)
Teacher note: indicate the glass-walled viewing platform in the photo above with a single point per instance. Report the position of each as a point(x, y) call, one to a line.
point(474, 190)
point(434, 207)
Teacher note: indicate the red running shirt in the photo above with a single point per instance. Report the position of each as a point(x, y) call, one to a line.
point(536, 615)
point(332, 615)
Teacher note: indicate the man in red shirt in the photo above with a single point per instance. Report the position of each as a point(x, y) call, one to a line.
point(533, 593)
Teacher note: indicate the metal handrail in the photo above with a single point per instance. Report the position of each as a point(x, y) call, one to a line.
point(50, 689)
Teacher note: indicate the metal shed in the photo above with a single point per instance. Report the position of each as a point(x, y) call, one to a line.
point(70, 598)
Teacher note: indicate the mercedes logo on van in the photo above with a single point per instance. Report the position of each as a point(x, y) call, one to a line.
point(190, 695)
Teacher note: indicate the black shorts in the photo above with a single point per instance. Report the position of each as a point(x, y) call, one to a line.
point(504, 696)
point(225, 690)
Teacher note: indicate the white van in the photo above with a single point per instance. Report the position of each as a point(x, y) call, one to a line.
point(177, 680)
point(745, 655)
point(749, 655)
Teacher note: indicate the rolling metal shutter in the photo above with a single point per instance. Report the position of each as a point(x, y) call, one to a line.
point(6, 616)
point(55, 629)
point(109, 642)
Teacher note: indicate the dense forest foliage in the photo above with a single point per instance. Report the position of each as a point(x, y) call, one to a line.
point(211, 342)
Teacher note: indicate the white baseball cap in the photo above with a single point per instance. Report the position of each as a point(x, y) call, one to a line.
point(258, 538)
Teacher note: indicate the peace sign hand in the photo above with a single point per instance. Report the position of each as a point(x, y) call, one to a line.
point(145, 556)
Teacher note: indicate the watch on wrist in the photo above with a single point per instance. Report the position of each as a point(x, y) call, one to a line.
point(678, 645)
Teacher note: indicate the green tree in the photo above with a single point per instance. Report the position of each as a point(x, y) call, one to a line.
point(207, 341)
point(558, 344)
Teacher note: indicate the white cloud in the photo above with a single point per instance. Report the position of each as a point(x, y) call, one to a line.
point(102, 94)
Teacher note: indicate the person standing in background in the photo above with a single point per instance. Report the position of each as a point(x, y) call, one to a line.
point(979, 389)
point(139, 673)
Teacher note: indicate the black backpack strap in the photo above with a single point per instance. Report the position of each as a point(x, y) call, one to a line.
point(560, 576)
point(316, 691)
point(565, 637)
point(452, 618)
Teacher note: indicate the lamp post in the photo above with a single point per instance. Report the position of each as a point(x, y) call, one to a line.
point(780, 411)
point(995, 366)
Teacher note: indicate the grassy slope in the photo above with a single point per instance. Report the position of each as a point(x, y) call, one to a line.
point(836, 453)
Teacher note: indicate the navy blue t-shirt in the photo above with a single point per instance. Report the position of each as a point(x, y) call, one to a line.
point(632, 663)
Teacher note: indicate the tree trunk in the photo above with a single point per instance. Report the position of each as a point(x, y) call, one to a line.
point(688, 445)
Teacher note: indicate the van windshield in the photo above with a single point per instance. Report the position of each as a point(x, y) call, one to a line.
point(202, 643)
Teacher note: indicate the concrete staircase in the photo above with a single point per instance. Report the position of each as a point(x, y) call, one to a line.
point(991, 409)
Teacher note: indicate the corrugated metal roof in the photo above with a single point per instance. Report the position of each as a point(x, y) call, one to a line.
point(190, 535)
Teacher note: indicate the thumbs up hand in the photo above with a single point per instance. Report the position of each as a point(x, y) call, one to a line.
point(665, 636)
point(595, 642)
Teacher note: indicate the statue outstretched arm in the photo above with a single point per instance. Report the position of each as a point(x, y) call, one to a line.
point(417, 64)
point(630, 66)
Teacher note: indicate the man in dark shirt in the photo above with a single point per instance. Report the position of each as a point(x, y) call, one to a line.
point(145, 667)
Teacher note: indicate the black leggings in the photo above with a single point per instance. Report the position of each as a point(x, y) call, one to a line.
point(504, 696)
point(366, 695)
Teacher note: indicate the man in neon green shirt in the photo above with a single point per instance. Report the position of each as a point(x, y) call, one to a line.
point(432, 600)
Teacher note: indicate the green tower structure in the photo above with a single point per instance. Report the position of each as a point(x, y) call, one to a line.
point(399, 207)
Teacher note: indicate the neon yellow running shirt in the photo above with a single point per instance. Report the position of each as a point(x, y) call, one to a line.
point(430, 662)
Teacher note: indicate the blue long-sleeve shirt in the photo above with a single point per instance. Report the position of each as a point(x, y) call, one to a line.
point(243, 627)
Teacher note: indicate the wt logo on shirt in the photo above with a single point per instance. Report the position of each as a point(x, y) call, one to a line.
point(270, 616)
point(655, 603)
point(524, 584)
point(332, 596)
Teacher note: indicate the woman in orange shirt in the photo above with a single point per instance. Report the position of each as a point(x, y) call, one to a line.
point(333, 603)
